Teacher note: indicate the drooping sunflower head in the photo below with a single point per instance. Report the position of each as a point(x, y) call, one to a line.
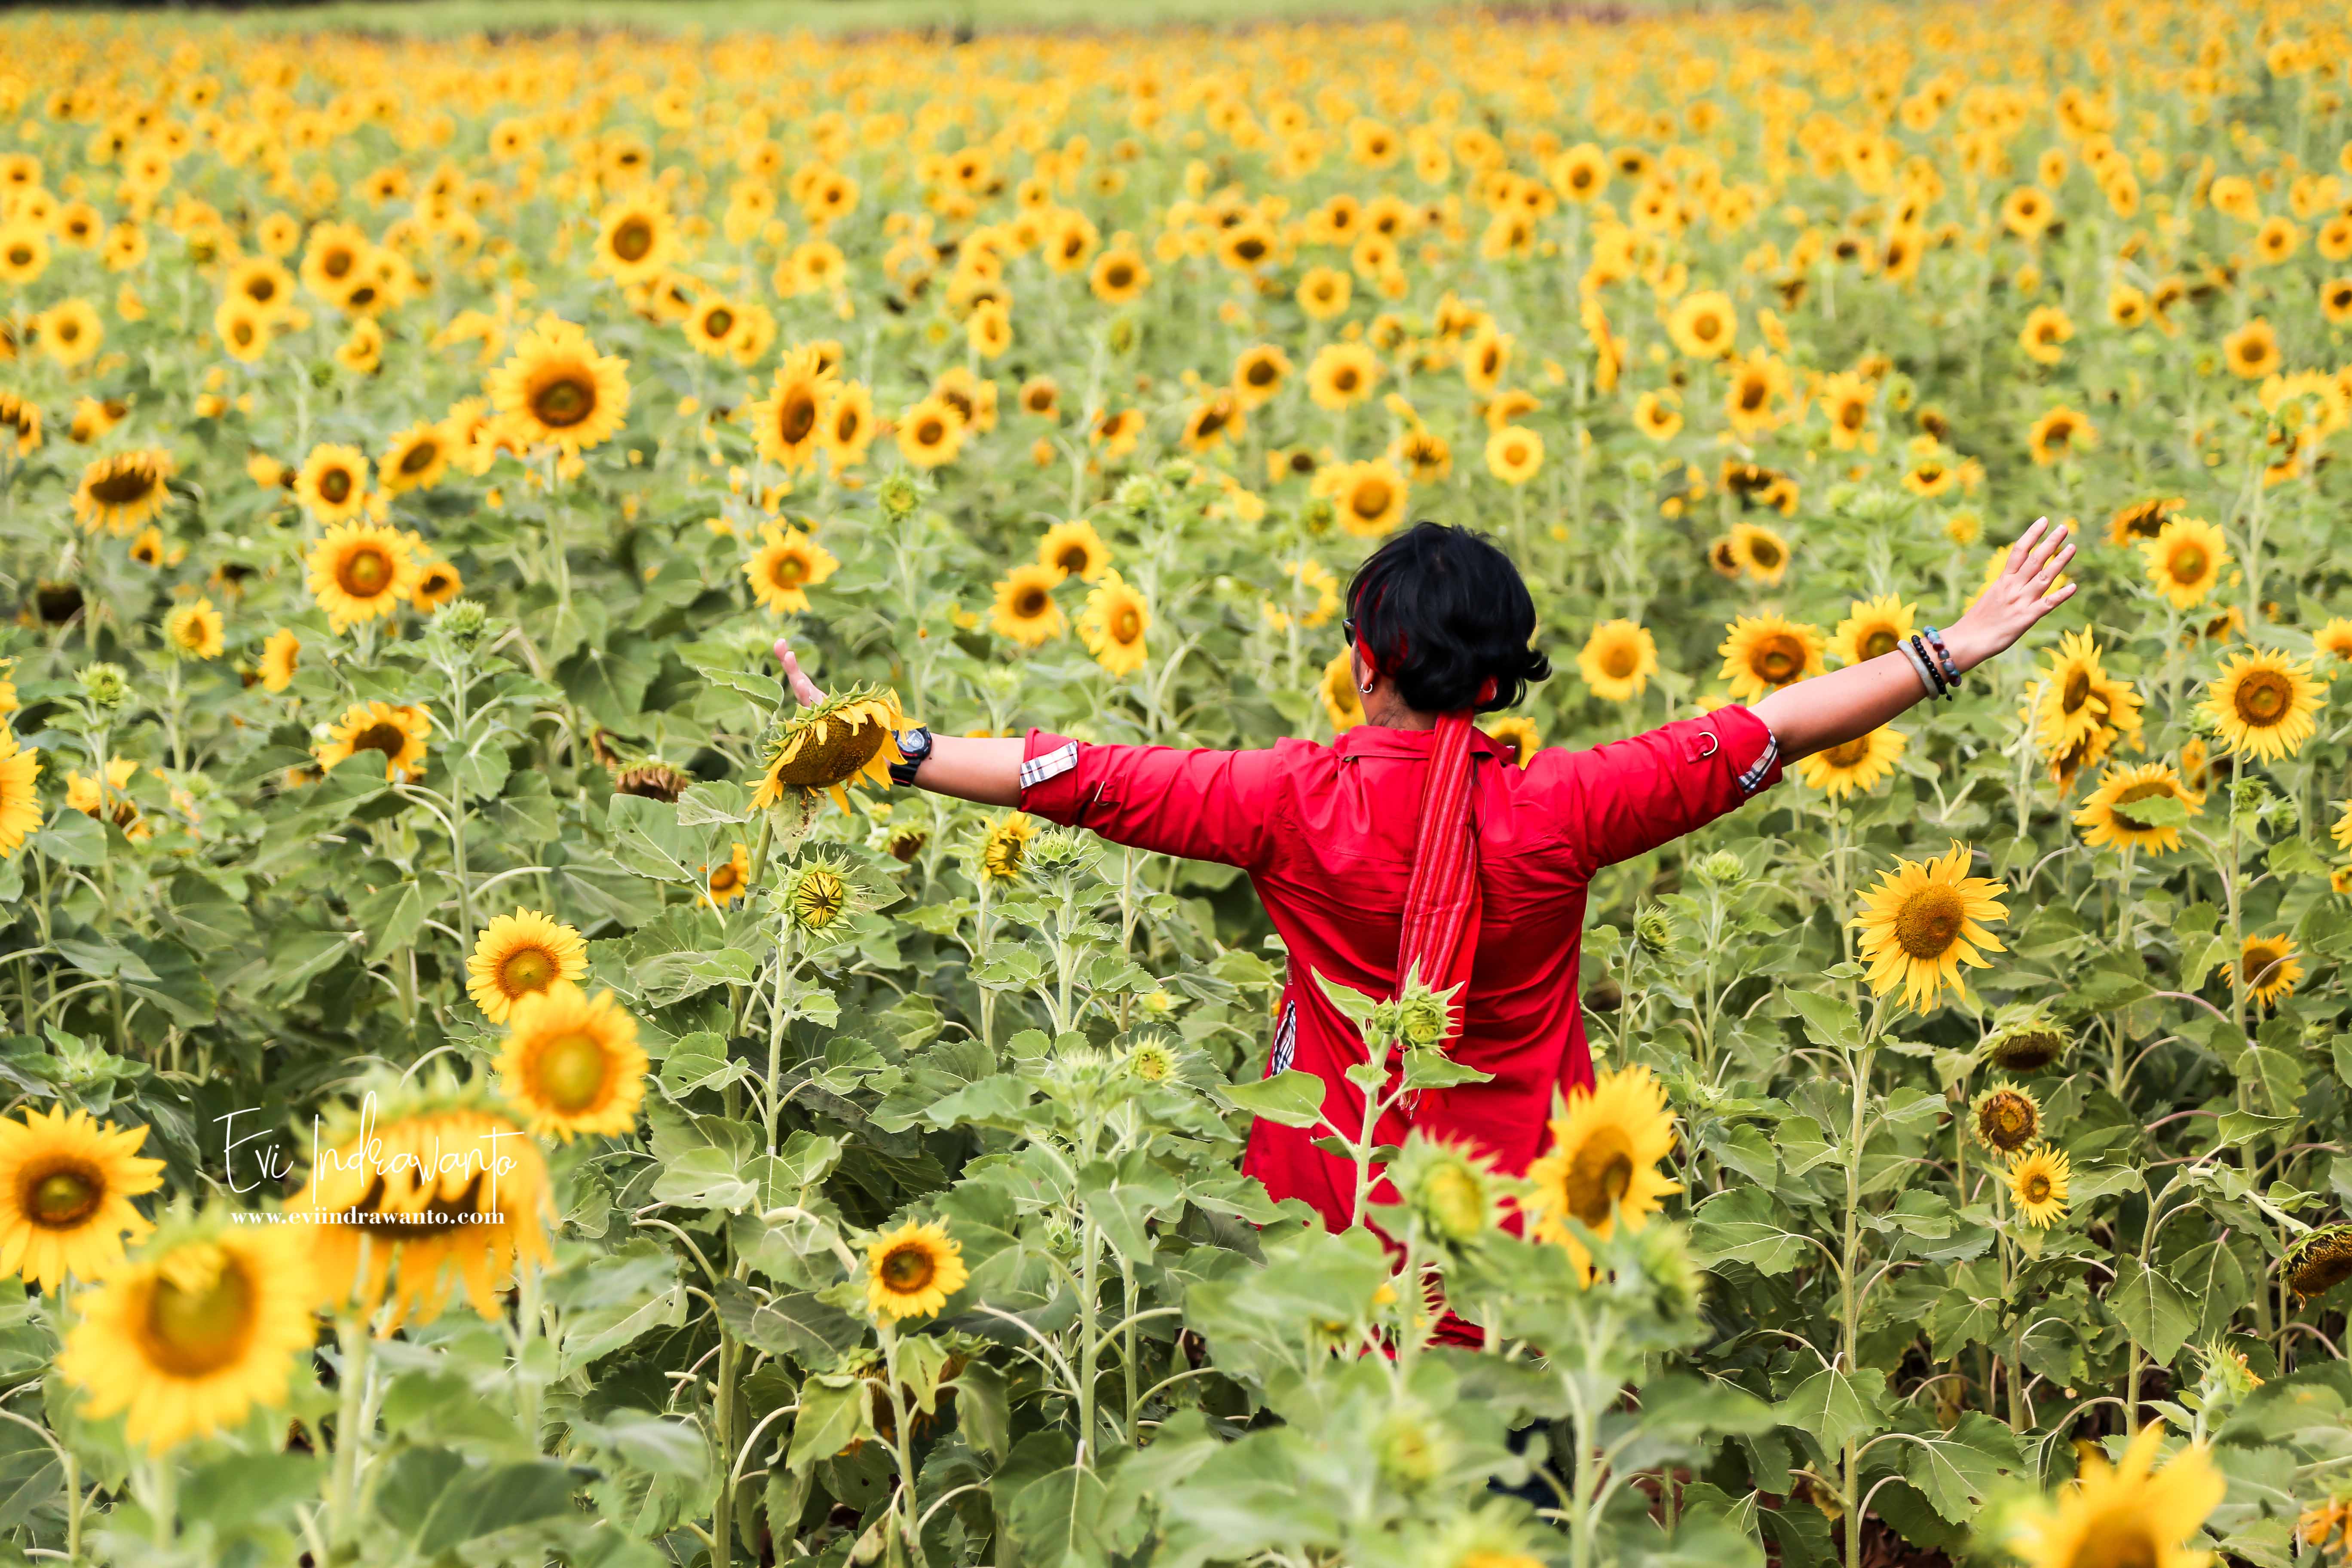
point(652, 780)
point(911, 1272)
point(65, 1184)
point(573, 1065)
point(519, 955)
point(397, 733)
point(2028, 1043)
point(1764, 653)
point(1923, 922)
point(1603, 1162)
point(2006, 1119)
point(851, 735)
point(2319, 1261)
point(1005, 847)
point(120, 492)
point(2266, 703)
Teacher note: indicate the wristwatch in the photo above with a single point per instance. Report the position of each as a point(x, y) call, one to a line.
point(915, 749)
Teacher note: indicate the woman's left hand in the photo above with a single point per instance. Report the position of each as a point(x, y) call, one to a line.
point(802, 686)
point(2018, 598)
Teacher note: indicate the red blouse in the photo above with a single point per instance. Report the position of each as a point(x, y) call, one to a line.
point(1326, 835)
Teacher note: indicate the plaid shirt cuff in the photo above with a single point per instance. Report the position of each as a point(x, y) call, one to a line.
point(1049, 764)
point(1757, 771)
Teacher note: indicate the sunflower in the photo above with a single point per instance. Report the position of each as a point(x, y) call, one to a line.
point(426, 1181)
point(416, 458)
point(815, 896)
point(70, 332)
point(1368, 496)
point(1005, 847)
point(634, 242)
point(2266, 967)
point(1515, 454)
point(194, 631)
point(1703, 326)
point(2027, 1044)
point(2126, 1513)
point(2072, 708)
point(187, 1337)
point(1603, 1162)
point(2006, 1119)
point(788, 423)
point(20, 804)
point(729, 881)
point(2184, 560)
point(24, 252)
point(1451, 1189)
point(2060, 432)
point(571, 1065)
point(397, 733)
point(333, 482)
point(1846, 397)
point(1762, 553)
point(1341, 701)
point(2265, 702)
point(1212, 420)
point(850, 736)
point(1873, 627)
point(333, 259)
point(1658, 415)
point(847, 428)
point(2318, 1262)
point(361, 571)
point(1617, 661)
point(716, 325)
point(1753, 385)
point(2037, 1184)
point(1923, 922)
point(789, 562)
point(1765, 653)
point(121, 492)
point(1426, 456)
point(1119, 276)
point(519, 955)
point(557, 390)
point(1258, 373)
point(20, 426)
point(649, 781)
point(2142, 520)
point(1075, 550)
point(1517, 737)
point(1113, 624)
point(911, 1272)
point(243, 328)
point(2334, 639)
point(438, 582)
point(2046, 328)
point(279, 651)
point(1025, 610)
point(1341, 375)
point(2251, 352)
point(2109, 819)
point(65, 1185)
point(1852, 767)
point(930, 433)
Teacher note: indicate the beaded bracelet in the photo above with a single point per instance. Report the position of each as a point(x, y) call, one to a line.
point(1936, 687)
point(1944, 658)
point(1919, 667)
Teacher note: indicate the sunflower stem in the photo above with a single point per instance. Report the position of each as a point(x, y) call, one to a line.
point(351, 1336)
point(910, 1517)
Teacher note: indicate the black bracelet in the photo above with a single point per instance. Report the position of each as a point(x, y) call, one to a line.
point(1944, 658)
point(1928, 660)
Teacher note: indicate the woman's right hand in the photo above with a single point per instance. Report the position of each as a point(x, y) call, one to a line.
point(2018, 598)
point(802, 686)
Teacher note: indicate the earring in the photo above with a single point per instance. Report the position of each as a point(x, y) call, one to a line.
point(1367, 688)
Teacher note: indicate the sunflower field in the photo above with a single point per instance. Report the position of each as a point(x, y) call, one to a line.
point(493, 1079)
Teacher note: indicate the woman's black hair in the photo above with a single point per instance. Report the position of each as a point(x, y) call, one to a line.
point(1440, 611)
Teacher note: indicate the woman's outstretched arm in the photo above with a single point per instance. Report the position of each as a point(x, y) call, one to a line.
point(1831, 709)
point(984, 769)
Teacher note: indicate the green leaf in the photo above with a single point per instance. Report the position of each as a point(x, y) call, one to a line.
point(231, 1493)
point(2151, 1309)
point(610, 683)
point(720, 801)
point(835, 1412)
point(1831, 1020)
point(705, 1178)
point(391, 916)
point(1290, 1099)
point(482, 1502)
point(792, 1323)
point(73, 839)
point(1835, 1407)
point(983, 1408)
point(1958, 1468)
point(1747, 1226)
point(526, 813)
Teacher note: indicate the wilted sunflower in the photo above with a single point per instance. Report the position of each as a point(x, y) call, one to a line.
point(20, 802)
point(434, 1178)
point(726, 882)
point(1025, 610)
point(1113, 624)
point(1617, 661)
point(334, 481)
point(1075, 550)
point(573, 1065)
point(2129, 1514)
point(2006, 1119)
point(1005, 847)
point(1517, 737)
point(1603, 1162)
point(1873, 627)
point(2267, 967)
point(2319, 1261)
point(788, 425)
point(416, 458)
point(2037, 1184)
point(121, 492)
point(557, 390)
point(2266, 703)
point(1765, 653)
point(911, 1272)
point(206, 1321)
point(279, 651)
point(849, 736)
point(2108, 815)
point(397, 733)
point(65, 1184)
point(194, 631)
point(2027, 1044)
point(519, 955)
point(788, 564)
point(361, 571)
point(1923, 922)
point(2184, 560)
point(1852, 767)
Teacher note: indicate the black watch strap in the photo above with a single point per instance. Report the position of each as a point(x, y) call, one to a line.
point(914, 750)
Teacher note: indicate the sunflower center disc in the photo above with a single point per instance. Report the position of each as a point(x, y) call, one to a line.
point(2262, 699)
point(389, 738)
point(1619, 664)
point(62, 1198)
point(2187, 564)
point(529, 969)
point(1127, 626)
point(336, 486)
point(1881, 640)
point(2037, 1191)
point(1778, 661)
point(367, 570)
point(908, 1269)
point(798, 417)
point(1599, 1176)
point(1929, 922)
point(564, 402)
point(631, 240)
point(2078, 692)
point(572, 1071)
point(197, 1328)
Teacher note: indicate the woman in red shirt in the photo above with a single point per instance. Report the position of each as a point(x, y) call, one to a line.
point(1411, 843)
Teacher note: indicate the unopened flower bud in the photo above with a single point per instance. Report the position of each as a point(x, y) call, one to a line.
point(107, 685)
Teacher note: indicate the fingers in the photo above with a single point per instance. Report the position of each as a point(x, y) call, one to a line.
point(2025, 546)
point(2037, 608)
point(802, 686)
point(2047, 572)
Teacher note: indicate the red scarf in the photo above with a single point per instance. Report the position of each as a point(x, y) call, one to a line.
point(1441, 901)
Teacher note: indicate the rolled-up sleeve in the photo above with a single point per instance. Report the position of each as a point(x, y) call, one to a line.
point(1202, 805)
point(1628, 798)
